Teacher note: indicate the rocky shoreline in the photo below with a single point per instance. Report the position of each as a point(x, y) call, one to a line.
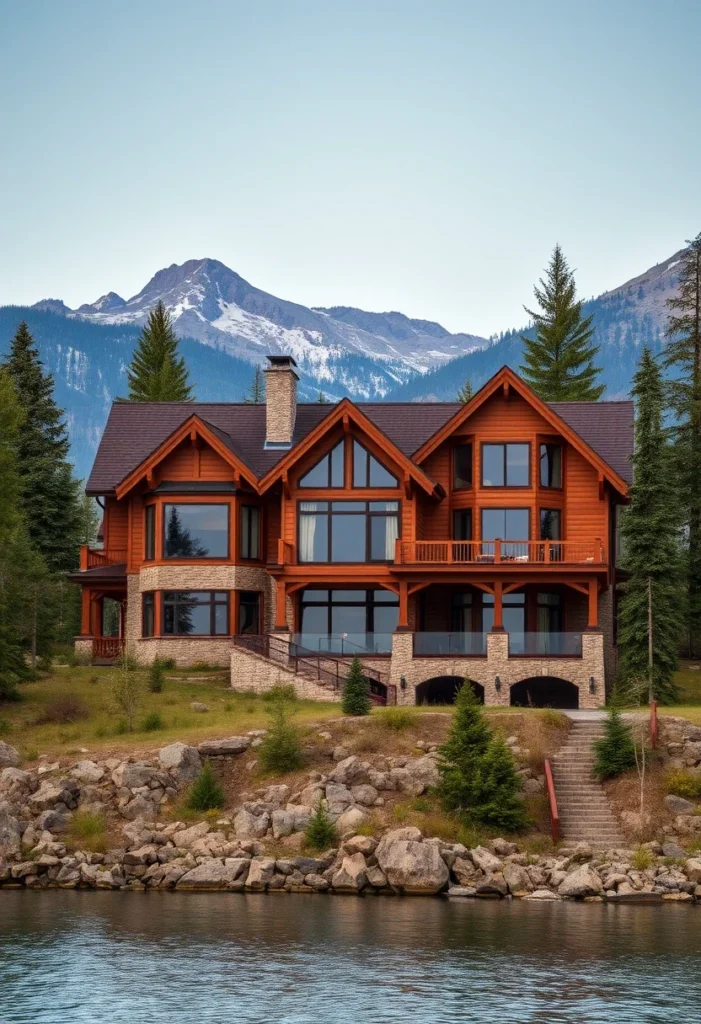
point(260, 847)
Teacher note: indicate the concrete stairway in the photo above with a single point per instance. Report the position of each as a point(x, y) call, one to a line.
point(585, 813)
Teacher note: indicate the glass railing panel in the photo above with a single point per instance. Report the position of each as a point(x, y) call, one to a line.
point(435, 645)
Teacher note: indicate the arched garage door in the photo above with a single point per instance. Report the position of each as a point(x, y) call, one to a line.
point(545, 692)
point(444, 689)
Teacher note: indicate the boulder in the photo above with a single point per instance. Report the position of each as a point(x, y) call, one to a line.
point(302, 816)
point(16, 784)
point(376, 877)
point(185, 837)
point(516, 878)
point(338, 798)
point(282, 823)
point(277, 795)
point(461, 891)
point(693, 869)
point(402, 780)
point(360, 844)
point(228, 747)
point(678, 805)
point(181, 759)
point(673, 850)
point(543, 895)
point(351, 876)
point(350, 771)
point(141, 806)
point(350, 820)
point(9, 756)
point(88, 772)
point(10, 836)
point(215, 874)
point(248, 824)
point(583, 881)
point(424, 770)
point(412, 867)
point(364, 794)
point(199, 707)
point(484, 860)
point(260, 872)
point(53, 792)
point(465, 871)
point(53, 821)
point(311, 796)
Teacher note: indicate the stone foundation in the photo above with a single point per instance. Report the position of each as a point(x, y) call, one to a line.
point(252, 673)
point(185, 651)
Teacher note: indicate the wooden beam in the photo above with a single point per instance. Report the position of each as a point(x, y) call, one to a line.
point(498, 605)
point(508, 587)
point(593, 622)
point(281, 606)
point(583, 588)
point(403, 622)
point(414, 588)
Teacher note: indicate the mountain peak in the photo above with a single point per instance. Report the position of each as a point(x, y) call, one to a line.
point(53, 306)
point(105, 304)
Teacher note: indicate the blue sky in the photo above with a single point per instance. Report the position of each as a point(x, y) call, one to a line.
point(420, 156)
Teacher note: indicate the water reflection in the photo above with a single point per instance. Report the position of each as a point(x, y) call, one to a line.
point(88, 957)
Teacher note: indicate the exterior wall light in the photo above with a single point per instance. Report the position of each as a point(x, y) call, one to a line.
point(402, 682)
point(592, 684)
point(497, 684)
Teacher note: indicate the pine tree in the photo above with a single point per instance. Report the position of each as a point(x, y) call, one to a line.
point(465, 393)
point(322, 399)
point(89, 519)
point(256, 392)
point(651, 553)
point(356, 695)
point(499, 804)
point(157, 373)
point(614, 752)
point(559, 362)
point(683, 356)
point(49, 492)
point(321, 833)
point(206, 793)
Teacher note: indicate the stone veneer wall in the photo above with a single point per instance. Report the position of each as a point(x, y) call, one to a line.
point(258, 675)
point(498, 663)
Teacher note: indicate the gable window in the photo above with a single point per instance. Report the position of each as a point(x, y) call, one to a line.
point(195, 613)
point(505, 465)
point(550, 465)
point(196, 531)
point(150, 532)
point(367, 471)
point(328, 472)
point(348, 531)
point(147, 614)
point(462, 467)
point(250, 531)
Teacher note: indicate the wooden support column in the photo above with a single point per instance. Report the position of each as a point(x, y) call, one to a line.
point(281, 606)
point(593, 622)
point(403, 622)
point(85, 609)
point(498, 605)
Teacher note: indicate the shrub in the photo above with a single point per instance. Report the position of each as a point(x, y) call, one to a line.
point(614, 753)
point(281, 750)
point(642, 858)
point(155, 676)
point(30, 754)
point(683, 783)
point(478, 775)
point(168, 664)
point(203, 666)
point(64, 710)
point(87, 831)
point(206, 792)
point(397, 719)
point(5, 727)
point(93, 680)
point(321, 833)
point(278, 693)
point(356, 693)
point(153, 722)
point(126, 692)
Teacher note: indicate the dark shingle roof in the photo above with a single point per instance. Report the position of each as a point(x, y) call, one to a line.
point(135, 429)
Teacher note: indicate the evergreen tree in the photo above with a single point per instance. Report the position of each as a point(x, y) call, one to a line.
point(465, 393)
point(49, 492)
point(322, 399)
point(559, 361)
point(683, 356)
point(356, 694)
point(157, 372)
point(89, 519)
point(614, 752)
point(320, 833)
point(651, 555)
point(256, 392)
point(206, 792)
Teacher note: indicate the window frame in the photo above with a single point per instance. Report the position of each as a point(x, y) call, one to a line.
point(471, 485)
point(148, 597)
point(150, 532)
point(196, 558)
point(544, 443)
point(506, 484)
point(369, 604)
point(213, 604)
point(368, 514)
point(505, 508)
point(245, 534)
point(368, 467)
point(328, 486)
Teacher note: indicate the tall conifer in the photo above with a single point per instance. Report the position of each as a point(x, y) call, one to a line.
point(683, 356)
point(256, 393)
point(465, 393)
point(651, 553)
point(157, 372)
point(559, 361)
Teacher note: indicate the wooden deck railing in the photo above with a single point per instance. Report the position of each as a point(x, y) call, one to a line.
point(108, 648)
point(552, 801)
point(489, 552)
point(92, 558)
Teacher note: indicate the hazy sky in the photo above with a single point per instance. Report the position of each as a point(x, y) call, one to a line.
point(420, 156)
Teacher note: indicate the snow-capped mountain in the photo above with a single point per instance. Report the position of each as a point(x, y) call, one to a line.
point(214, 305)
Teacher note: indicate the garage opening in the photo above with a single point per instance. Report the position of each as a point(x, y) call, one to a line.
point(545, 692)
point(444, 690)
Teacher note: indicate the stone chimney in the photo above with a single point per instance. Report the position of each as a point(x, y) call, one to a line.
point(280, 401)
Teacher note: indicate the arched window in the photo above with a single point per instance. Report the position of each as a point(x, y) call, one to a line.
point(328, 472)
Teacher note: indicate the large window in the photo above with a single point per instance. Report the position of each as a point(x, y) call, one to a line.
point(344, 621)
point(550, 465)
point(462, 467)
point(505, 523)
point(150, 532)
point(328, 472)
point(196, 531)
point(147, 614)
point(249, 612)
point(367, 471)
point(550, 524)
point(513, 615)
point(195, 613)
point(505, 465)
point(250, 531)
point(348, 531)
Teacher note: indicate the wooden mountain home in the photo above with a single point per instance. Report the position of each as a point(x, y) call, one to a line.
point(435, 541)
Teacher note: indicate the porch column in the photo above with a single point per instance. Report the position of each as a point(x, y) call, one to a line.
point(593, 622)
point(403, 623)
point(281, 606)
point(97, 616)
point(85, 612)
point(498, 605)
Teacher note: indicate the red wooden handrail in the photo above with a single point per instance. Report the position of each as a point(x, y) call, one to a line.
point(654, 724)
point(447, 552)
point(552, 800)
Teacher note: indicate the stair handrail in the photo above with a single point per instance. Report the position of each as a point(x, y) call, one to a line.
point(552, 800)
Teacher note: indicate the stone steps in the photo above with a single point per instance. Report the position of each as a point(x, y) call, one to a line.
point(585, 813)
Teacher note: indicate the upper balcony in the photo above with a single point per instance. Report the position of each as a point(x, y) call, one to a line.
point(511, 553)
point(100, 558)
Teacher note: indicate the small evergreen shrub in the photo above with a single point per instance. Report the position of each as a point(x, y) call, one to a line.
point(614, 752)
point(321, 833)
point(278, 693)
point(155, 676)
point(356, 692)
point(206, 792)
point(168, 664)
point(153, 722)
point(281, 749)
point(683, 783)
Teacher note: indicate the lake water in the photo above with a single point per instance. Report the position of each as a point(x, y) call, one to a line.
point(128, 958)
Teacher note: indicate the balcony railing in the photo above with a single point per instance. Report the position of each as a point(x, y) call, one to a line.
point(460, 645)
point(489, 552)
point(344, 644)
point(545, 645)
point(93, 558)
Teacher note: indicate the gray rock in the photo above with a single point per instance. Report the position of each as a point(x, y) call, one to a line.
point(16, 784)
point(10, 836)
point(673, 850)
point(678, 805)
point(465, 871)
point(9, 756)
point(311, 796)
point(583, 881)
point(228, 747)
point(199, 707)
point(338, 798)
point(182, 759)
point(260, 872)
point(88, 772)
point(461, 891)
point(54, 821)
point(351, 876)
point(53, 792)
point(282, 823)
point(248, 824)
point(693, 869)
point(484, 860)
point(183, 838)
point(543, 895)
point(364, 794)
point(141, 806)
point(424, 770)
point(215, 874)
point(360, 844)
point(405, 782)
point(376, 877)
point(412, 867)
point(277, 795)
point(350, 820)
point(516, 878)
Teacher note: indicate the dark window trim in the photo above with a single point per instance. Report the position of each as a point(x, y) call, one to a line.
point(505, 508)
point(197, 558)
point(553, 444)
point(471, 485)
point(149, 596)
point(212, 608)
point(259, 511)
point(369, 604)
point(369, 514)
point(505, 485)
